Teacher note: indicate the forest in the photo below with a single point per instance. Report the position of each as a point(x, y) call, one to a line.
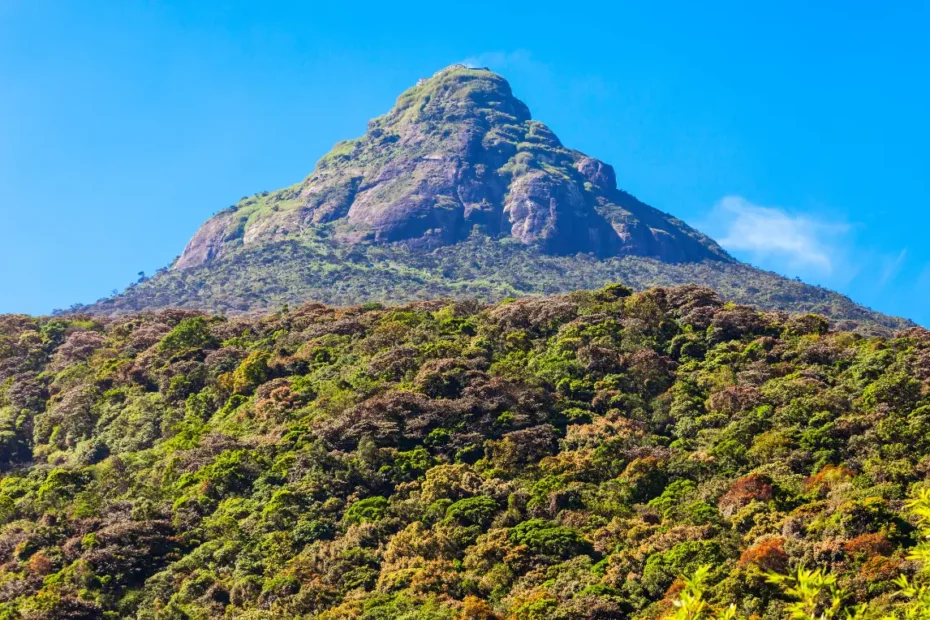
point(597, 454)
point(252, 280)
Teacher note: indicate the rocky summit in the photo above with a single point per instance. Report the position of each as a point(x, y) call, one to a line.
point(456, 192)
point(458, 153)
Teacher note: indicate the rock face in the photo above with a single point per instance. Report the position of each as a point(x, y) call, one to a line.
point(458, 152)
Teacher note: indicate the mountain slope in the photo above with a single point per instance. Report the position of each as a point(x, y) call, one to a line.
point(567, 457)
point(454, 192)
point(247, 280)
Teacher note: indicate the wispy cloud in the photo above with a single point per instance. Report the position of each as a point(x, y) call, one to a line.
point(521, 59)
point(818, 247)
point(801, 242)
point(891, 267)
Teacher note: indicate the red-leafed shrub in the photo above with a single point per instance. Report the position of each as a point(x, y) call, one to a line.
point(768, 555)
point(868, 545)
point(879, 568)
point(745, 490)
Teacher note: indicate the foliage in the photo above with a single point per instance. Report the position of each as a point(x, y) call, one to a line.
point(814, 593)
point(691, 604)
point(490, 269)
point(566, 457)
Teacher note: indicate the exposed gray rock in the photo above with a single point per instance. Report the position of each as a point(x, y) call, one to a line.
point(457, 152)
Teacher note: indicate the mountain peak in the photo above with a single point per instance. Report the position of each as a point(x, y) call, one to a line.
point(456, 154)
point(457, 93)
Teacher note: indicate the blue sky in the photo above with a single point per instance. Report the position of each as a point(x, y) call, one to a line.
point(796, 135)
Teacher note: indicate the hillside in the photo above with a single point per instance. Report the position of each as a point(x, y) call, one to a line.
point(456, 192)
point(248, 280)
point(565, 457)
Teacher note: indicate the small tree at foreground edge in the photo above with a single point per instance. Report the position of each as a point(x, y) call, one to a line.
point(815, 593)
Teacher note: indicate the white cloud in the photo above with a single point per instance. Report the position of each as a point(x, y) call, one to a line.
point(768, 234)
point(502, 60)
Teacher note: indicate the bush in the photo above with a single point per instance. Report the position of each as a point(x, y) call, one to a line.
point(473, 511)
point(188, 335)
point(548, 539)
point(251, 373)
point(367, 510)
point(683, 559)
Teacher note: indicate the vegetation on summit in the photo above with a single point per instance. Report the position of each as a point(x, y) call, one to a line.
point(576, 456)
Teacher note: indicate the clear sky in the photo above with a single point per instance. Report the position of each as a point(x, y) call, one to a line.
point(796, 135)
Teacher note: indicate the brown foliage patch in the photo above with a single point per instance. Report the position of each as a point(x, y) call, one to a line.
point(768, 555)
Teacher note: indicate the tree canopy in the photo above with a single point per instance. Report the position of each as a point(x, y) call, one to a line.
point(574, 456)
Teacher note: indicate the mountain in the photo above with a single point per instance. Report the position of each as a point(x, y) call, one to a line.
point(456, 192)
point(458, 153)
point(568, 457)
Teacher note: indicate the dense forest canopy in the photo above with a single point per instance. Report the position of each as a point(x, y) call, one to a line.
point(573, 456)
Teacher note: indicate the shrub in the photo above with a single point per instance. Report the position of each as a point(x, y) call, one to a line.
point(548, 539)
point(367, 510)
point(251, 373)
point(473, 511)
point(768, 555)
point(685, 558)
point(190, 334)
